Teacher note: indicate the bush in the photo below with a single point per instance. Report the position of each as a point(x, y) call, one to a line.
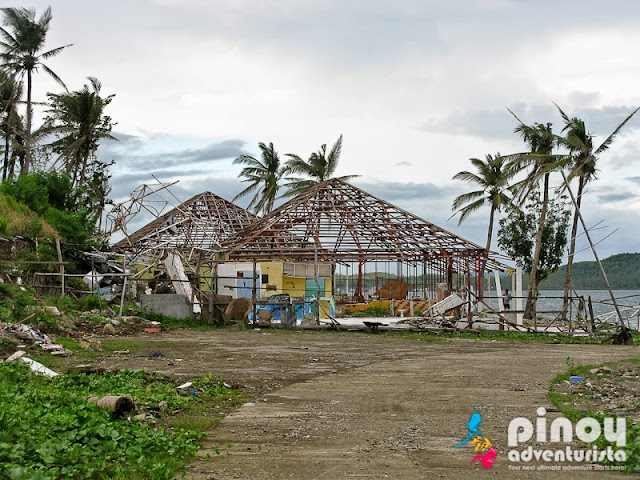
point(52, 196)
point(14, 301)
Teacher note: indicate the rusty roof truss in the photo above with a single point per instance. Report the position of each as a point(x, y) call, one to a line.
point(202, 222)
point(335, 221)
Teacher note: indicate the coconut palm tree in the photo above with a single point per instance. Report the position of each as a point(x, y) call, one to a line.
point(264, 175)
point(23, 43)
point(583, 157)
point(11, 123)
point(492, 179)
point(319, 168)
point(79, 121)
point(540, 140)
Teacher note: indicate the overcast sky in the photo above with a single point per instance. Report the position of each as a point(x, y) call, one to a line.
point(416, 87)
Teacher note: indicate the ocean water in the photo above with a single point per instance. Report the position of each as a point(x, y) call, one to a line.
point(551, 300)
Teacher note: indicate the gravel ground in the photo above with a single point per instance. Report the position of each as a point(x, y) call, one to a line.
point(354, 405)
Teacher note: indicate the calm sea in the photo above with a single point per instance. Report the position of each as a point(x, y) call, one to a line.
point(628, 301)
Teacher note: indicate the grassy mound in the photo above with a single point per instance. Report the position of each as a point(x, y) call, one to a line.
point(17, 219)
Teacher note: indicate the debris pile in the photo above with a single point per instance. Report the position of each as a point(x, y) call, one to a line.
point(605, 389)
point(19, 332)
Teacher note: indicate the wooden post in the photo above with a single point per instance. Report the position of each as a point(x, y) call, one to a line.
point(496, 274)
point(519, 316)
point(255, 288)
point(124, 284)
point(591, 317)
point(315, 277)
point(61, 265)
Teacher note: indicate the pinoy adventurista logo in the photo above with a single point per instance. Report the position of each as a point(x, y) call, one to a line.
point(486, 454)
point(552, 443)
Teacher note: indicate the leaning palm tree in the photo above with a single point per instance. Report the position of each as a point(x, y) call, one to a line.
point(583, 157)
point(492, 180)
point(22, 54)
point(319, 168)
point(79, 121)
point(540, 140)
point(264, 175)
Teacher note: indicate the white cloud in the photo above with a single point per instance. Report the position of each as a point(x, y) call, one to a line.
point(418, 82)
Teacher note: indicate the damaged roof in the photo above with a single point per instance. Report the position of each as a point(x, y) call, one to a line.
point(204, 221)
point(335, 221)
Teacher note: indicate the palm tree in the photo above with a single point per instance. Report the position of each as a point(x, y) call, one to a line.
point(583, 159)
point(10, 93)
point(319, 168)
point(540, 140)
point(23, 54)
point(264, 175)
point(492, 180)
point(79, 120)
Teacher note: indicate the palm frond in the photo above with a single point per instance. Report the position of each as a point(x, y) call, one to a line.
point(605, 145)
point(334, 157)
point(469, 209)
point(469, 177)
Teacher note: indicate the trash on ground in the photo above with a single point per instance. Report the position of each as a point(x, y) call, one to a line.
point(16, 356)
point(39, 368)
point(152, 355)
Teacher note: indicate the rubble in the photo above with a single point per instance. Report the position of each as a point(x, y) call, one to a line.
point(21, 332)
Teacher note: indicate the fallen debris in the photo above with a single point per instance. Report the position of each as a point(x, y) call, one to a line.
point(39, 368)
point(25, 332)
point(16, 356)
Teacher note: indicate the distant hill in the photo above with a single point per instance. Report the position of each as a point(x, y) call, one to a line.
point(623, 271)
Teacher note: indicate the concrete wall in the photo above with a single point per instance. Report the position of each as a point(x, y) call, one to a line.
point(171, 304)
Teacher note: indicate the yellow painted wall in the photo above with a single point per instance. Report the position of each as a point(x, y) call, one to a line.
point(294, 286)
point(274, 286)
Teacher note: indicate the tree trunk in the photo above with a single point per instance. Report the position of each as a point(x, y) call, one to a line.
point(484, 260)
point(490, 232)
point(7, 144)
point(83, 172)
point(572, 250)
point(27, 162)
point(532, 289)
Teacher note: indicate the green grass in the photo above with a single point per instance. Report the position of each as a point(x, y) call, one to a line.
point(508, 336)
point(575, 407)
point(49, 431)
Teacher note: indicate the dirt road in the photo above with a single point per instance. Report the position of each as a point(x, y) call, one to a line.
point(352, 405)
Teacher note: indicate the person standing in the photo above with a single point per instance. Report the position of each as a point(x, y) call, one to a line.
point(506, 299)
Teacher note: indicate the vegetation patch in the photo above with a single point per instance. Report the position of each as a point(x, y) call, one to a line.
point(48, 430)
point(523, 337)
point(611, 389)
